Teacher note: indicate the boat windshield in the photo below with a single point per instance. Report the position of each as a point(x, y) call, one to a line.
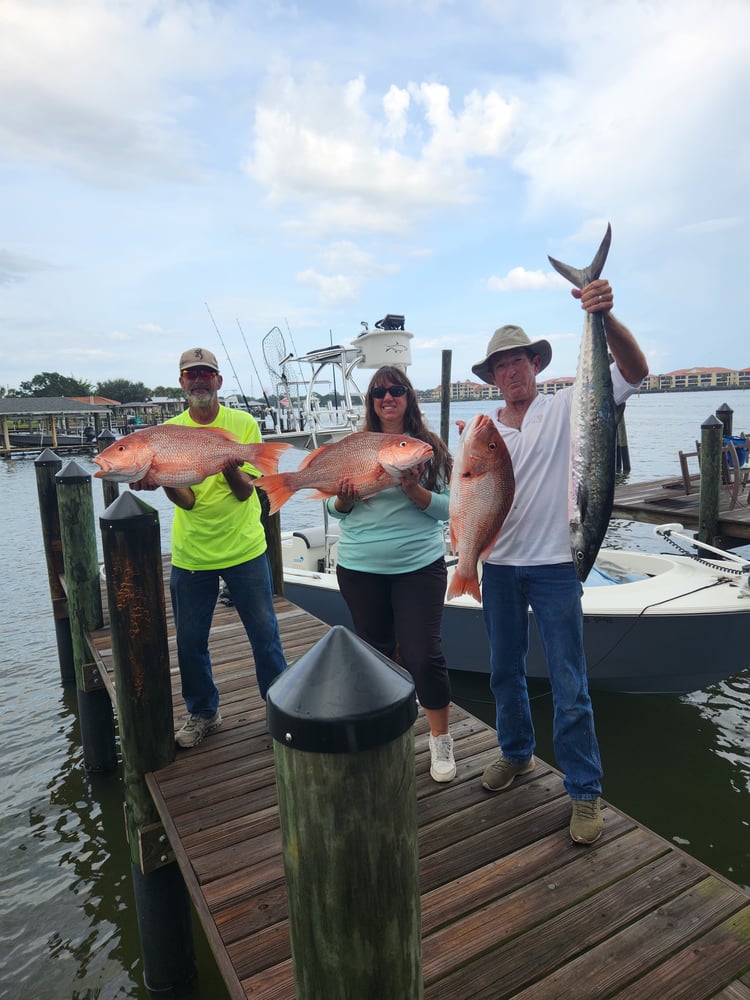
point(607, 574)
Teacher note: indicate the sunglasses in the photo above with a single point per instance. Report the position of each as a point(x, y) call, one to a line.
point(380, 391)
point(191, 373)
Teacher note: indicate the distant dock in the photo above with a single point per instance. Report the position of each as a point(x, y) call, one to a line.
point(510, 906)
point(662, 501)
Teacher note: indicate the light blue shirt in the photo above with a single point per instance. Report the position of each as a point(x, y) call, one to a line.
point(390, 534)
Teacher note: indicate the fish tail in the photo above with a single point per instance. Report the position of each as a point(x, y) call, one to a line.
point(265, 457)
point(580, 277)
point(277, 488)
point(462, 584)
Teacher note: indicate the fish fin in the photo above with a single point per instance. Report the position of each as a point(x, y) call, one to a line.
point(310, 456)
point(277, 489)
point(265, 457)
point(453, 536)
point(461, 584)
point(580, 277)
point(485, 553)
point(320, 495)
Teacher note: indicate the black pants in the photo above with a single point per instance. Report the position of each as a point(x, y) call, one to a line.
point(403, 611)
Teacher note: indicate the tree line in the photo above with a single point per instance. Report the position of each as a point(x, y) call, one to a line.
point(120, 389)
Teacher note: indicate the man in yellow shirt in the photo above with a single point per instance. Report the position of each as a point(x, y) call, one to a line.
point(217, 532)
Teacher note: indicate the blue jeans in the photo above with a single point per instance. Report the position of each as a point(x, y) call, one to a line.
point(194, 595)
point(554, 594)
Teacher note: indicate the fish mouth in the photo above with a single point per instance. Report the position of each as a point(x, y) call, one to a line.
point(110, 472)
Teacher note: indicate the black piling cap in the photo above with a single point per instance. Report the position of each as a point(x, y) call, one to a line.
point(73, 473)
point(126, 508)
point(48, 458)
point(342, 696)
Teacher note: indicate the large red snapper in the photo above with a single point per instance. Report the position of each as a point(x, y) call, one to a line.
point(371, 460)
point(175, 455)
point(482, 490)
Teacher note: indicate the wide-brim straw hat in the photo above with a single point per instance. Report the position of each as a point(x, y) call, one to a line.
point(507, 338)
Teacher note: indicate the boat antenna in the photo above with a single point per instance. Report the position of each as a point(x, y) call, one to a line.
point(257, 374)
point(242, 393)
point(335, 391)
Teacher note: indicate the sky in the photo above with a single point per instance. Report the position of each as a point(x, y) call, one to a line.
point(193, 173)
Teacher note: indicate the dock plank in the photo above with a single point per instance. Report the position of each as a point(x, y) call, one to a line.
point(510, 906)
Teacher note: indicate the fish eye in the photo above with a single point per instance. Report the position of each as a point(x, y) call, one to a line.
point(492, 445)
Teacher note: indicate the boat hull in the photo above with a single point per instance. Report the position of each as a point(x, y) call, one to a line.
point(699, 639)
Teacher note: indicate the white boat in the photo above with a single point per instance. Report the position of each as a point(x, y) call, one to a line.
point(300, 382)
point(652, 623)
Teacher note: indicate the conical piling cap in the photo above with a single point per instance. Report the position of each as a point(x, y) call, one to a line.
point(342, 696)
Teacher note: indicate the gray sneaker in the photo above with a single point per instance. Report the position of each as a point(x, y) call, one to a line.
point(586, 821)
point(194, 728)
point(500, 773)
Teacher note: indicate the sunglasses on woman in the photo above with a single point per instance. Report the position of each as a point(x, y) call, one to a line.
point(380, 391)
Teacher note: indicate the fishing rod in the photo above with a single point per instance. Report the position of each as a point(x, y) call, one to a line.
point(257, 374)
point(242, 391)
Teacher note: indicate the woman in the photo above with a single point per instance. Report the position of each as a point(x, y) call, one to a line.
point(391, 565)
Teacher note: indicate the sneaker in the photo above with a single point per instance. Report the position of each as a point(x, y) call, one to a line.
point(500, 773)
point(442, 766)
point(194, 728)
point(586, 821)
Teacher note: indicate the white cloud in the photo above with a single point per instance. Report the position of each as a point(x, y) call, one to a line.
point(318, 147)
point(519, 279)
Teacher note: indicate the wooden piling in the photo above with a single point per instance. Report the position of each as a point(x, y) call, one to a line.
point(135, 596)
point(342, 719)
point(76, 512)
point(46, 467)
point(711, 444)
point(272, 527)
point(445, 396)
point(110, 489)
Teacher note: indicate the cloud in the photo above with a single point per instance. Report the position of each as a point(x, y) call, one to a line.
point(351, 164)
point(88, 86)
point(519, 279)
point(15, 267)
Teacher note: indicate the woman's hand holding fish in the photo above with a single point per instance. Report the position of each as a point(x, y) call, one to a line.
point(412, 488)
point(597, 296)
point(345, 496)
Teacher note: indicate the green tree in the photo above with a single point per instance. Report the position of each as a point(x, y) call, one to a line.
point(124, 391)
point(54, 384)
point(169, 391)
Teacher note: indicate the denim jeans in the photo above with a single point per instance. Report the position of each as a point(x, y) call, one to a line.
point(554, 594)
point(194, 595)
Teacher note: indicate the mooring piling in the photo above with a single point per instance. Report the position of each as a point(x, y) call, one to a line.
point(135, 596)
point(341, 719)
point(76, 512)
point(710, 465)
point(110, 489)
point(46, 466)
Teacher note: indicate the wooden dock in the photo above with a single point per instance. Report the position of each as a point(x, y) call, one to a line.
point(662, 501)
point(510, 906)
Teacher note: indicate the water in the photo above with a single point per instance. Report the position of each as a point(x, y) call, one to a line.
point(680, 765)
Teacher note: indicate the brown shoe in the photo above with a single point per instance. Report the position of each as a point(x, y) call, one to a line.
point(501, 773)
point(586, 821)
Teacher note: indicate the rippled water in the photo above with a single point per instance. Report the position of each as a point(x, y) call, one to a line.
point(680, 765)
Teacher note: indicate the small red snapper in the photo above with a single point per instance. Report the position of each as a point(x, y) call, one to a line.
point(482, 490)
point(371, 460)
point(175, 455)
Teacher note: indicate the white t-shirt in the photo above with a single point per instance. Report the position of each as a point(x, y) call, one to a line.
point(535, 532)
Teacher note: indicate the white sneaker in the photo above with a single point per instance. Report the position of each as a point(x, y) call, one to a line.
point(443, 766)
